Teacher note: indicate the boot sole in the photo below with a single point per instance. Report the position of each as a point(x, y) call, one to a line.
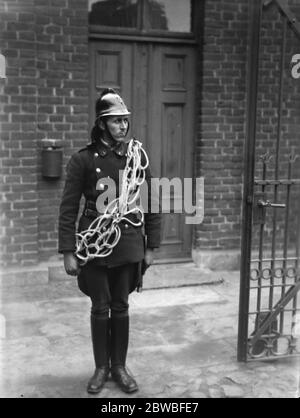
point(131, 391)
point(95, 391)
point(124, 389)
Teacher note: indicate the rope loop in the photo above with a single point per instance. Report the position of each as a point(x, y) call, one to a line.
point(104, 232)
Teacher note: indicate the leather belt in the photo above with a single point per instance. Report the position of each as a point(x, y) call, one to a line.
point(90, 211)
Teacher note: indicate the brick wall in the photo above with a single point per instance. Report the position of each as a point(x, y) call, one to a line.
point(222, 116)
point(19, 197)
point(45, 96)
point(62, 61)
point(221, 121)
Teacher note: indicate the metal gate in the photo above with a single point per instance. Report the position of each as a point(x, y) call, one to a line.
point(269, 317)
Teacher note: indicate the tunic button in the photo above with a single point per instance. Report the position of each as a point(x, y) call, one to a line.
point(96, 154)
point(98, 170)
point(101, 186)
point(126, 226)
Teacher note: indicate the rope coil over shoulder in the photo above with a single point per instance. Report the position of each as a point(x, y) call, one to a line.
point(104, 232)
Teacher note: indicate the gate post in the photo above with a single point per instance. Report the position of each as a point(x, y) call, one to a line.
point(255, 12)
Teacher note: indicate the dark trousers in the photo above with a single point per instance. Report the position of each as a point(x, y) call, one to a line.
point(109, 290)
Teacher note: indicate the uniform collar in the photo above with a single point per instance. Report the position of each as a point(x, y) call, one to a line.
point(120, 149)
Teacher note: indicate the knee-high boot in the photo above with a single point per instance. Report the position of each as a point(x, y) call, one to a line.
point(100, 330)
point(119, 347)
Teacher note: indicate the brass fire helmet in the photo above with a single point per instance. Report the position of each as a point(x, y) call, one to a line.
point(111, 104)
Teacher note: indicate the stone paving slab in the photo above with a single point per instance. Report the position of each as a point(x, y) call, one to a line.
point(182, 344)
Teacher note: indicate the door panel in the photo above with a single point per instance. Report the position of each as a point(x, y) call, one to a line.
point(157, 82)
point(111, 66)
point(171, 139)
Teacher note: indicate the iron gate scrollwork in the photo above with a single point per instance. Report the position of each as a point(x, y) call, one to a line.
point(269, 317)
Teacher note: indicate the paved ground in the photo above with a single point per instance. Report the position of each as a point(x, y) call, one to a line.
point(183, 341)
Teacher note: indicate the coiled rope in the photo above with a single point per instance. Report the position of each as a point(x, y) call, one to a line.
point(104, 232)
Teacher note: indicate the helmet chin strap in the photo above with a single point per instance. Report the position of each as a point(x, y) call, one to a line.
point(107, 136)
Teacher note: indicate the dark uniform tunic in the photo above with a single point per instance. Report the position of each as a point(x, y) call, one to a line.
point(84, 170)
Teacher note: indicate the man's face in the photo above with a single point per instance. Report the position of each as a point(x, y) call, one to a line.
point(118, 127)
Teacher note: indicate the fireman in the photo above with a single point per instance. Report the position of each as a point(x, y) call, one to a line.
point(108, 279)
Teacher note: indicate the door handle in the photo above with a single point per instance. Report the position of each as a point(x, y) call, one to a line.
point(267, 204)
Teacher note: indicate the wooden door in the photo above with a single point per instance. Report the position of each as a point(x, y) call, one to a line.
point(158, 83)
point(110, 66)
point(170, 145)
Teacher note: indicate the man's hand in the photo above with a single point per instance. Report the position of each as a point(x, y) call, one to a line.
point(71, 264)
point(148, 260)
point(149, 256)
